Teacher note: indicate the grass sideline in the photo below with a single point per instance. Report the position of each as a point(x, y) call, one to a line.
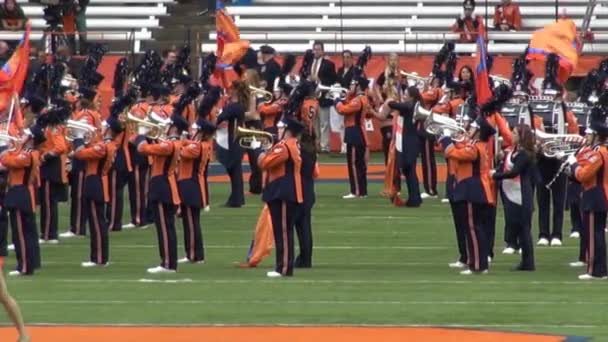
point(373, 265)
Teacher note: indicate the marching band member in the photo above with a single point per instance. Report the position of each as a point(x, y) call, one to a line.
point(99, 154)
point(229, 152)
point(589, 168)
point(252, 121)
point(473, 192)
point(355, 109)
point(466, 24)
point(406, 141)
point(160, 101)
point(23, 164)
point(392, 175)
point(430, 97)
point(163, 196)
point(53, 175)
point(517, 187)
point(284, 192)
point(181, 84)
point(507, 16)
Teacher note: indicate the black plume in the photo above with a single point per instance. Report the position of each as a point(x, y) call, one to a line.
point(450, 66)
point(502, 94)
point(551, 67)
point(209, 101)
point(588, 85)
point(207, 69)
point(306, 64)
point(442, 57)
point(288, 64)
point(365, 56)
point(120, 77)
point(183, 58)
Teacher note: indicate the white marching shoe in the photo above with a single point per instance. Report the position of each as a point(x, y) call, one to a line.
point(128, 226)
point(425, 195)
point(273, 274)
point(577, 264)
point(509, 250)
point(349, 196)
point(575, 235)
point(555, 242)
point(469, 272)
point(159, 269)
point(87, 264)
point(542, 242)
point(445, 200)
point(15, 273)
point(457, 264)
point(587, 276)
point(52, 242)
point(11, 247)
point(183, 261)
point(67, 234)
point(207, 209)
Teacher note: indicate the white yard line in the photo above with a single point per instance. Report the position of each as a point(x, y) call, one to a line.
point(346, 247)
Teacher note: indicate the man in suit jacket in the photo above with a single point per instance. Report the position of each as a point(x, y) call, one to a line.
point(270, 69)
point(323, 71)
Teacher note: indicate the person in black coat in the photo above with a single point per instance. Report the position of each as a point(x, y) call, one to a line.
point(345, 73)
point(323, 72)
point(270, 70)
point(517, 178)
point(407, 141)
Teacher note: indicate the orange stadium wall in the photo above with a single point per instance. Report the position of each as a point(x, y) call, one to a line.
point(420, 64)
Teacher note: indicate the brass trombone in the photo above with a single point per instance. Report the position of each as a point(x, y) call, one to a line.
point(435, 124)
point(258, 92)
point(78, 129)
point(246, 136)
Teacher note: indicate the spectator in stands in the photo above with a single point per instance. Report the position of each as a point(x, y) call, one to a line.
point(12, 16)
point(5, 52)
point(81, 24)
point(344, 77)
point(64, 55)
point(270, 69)
point(507, 17)
point(169, 58)
point(468, 25)
point(323, 71)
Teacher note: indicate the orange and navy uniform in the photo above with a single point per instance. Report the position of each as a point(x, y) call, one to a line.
point(99, 157)
point(138, 179)
point(54, 178)
point(271, 114)
point(591, 170)
point(163, 195)
point(507, 14)
point(354, 110)
point(189, 112)
point(431, 96)
point(283, 194)
point(308, 114)
point(192, 184)
point(570, 119)
point(23, 179)
point(450, 185)
point(164, 110)
point(118, 177)
point(468, 32)
point(500, 124)
point(449, 108)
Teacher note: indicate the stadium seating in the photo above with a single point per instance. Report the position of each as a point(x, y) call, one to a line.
point(406, 26)
point(107, 20)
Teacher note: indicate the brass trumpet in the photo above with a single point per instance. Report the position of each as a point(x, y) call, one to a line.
point(246, 136)
point(556, 145)
point(153, 130)
point(334, 92)
point(78, 129)
point(435, 124)
point(421, 82)
point(258, 92)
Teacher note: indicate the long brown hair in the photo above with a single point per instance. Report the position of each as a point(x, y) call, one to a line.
point(526, 139)
point(241, 90)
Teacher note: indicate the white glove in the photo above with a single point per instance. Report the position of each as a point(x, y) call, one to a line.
point(143, 130)
point(79, 133)
point(492, 172)
point(447, 132)
point(571, 159)
point(256, 144)
point(560, 155)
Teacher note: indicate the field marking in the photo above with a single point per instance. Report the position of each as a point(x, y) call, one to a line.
point(346, 247)
point(300, 302)
point(388, 264)
point(304, 325)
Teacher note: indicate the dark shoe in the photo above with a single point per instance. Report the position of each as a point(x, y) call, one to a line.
point(412, 204)
point(228, 205)
point(521, 267)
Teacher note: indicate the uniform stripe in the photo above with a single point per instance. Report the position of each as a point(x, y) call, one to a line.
point(285, 240)
point(163, 229)
point(427, 162)
point(190, 232)
point(146, 188)
point(21, 242)
point(97, 232)
point(354, 168)
point(79, 203)
point(591, 248)
point(137, 198)
point(47, 201)
point(473, 236)
point(113, 203)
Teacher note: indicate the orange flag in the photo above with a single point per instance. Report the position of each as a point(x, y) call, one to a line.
point(14, 71)
point(263, 241)
point(559, 38)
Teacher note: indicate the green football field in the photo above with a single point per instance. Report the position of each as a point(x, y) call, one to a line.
point(373, 264)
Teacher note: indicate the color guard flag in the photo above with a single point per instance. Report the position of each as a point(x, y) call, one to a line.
point(14, 71)
point(482, 82)
point(559, 38)
point(230, 47)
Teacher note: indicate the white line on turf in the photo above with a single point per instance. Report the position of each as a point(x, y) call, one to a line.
point(347, 325)
point(316, 247)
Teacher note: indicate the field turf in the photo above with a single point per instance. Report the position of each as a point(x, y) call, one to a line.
point(374, 264)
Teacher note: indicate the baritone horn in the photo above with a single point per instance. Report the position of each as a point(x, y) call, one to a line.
point(419, 81)
point(334, 92)
point(259, 92)
point(435, 124)
point(557, 145)
point(78, 129)
point(246, 136)
point(153, 130)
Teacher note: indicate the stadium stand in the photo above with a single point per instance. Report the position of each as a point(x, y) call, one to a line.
point(405, 26)
point(107, 20)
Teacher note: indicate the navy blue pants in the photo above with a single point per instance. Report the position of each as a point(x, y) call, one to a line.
point(3, 231)
point(303, 224)
point(49, 216)
point(551, 199)
point(510, 235)
point(387, 137)
point(193, 236)
point(282, 214)
point(520, 223)
point(408, 169)
point(461, 235)
point(429, 165)
point(475, 217)
point(357, 169)
point(98, 225)
point(237, 196)
point(78, 217)
point(138, 190)
point(576, 217)
point(25, 239)
point(117, 181)
point(595, 222)
point(164, 219)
